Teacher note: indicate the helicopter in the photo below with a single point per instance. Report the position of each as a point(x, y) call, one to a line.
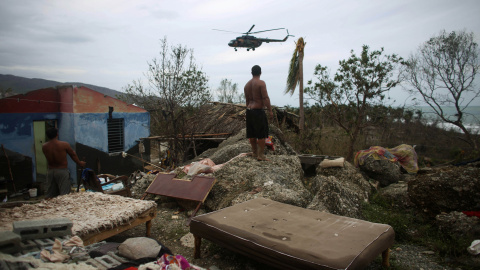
point(250, 42)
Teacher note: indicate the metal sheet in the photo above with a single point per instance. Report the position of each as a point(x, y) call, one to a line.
point(167, 185)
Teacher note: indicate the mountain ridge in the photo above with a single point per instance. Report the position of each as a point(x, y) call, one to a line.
point(22, 85)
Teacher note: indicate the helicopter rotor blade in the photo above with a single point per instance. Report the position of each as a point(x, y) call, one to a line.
point(267, 30)
point(227, 31)
point(248, 32)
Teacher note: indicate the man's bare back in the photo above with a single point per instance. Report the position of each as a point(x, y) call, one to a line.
point(56, 153)
point(256, 94)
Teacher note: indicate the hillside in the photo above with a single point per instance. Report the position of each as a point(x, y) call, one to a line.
point(22, 85)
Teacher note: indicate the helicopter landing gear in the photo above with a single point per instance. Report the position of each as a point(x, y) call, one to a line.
point(235, 49)
point(248, 50)
point(253, 49)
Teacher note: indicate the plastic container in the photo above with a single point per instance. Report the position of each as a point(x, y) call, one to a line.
point(32, 192)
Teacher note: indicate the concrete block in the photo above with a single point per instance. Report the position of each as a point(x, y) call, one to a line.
point(96, 264)
point(63, 238)
point(9, 242)
point(108, 261)
point(116, 257)
point(28, 246)
point(43, 228)
point(43, 243)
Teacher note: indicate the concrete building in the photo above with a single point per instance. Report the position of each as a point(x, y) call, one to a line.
point(98, 127)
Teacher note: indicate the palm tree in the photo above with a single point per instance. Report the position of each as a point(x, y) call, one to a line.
point(295, 76)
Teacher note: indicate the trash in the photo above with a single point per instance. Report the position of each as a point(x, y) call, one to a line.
point(198, 167)
point(118, 186)
point(404, 154)
point(269, 143)
point(326, 163)
point(474, 248)
point(32, 192)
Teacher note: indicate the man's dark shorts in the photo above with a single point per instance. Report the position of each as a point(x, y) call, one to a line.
point(58, 182)
point(257, 124)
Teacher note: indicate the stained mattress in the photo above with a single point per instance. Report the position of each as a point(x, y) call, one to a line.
point(291, 237)
point(90, 212)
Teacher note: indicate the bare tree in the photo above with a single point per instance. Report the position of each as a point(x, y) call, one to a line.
point(175, 85)
point(442, 73)
point(228, 92)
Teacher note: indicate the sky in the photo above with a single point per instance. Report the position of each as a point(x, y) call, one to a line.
point(110, 42)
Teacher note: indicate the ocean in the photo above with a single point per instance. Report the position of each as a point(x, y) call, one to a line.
point(471, 116)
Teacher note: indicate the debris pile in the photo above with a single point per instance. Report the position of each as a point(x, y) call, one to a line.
point(448, 189)
point(340, 191)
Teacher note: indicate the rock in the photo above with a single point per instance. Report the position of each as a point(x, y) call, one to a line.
point(141, 185)
point(139, 247)
point(457, 224)
point(188, 240)
point(383, 171)
point(341, 191)
point(237, 144)
point(447, 189)
point(398, 195)
point(245, 178)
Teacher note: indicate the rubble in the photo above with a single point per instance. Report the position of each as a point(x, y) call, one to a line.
point(245, 178)
point(457, 224)
point(447, 189)
point(139, 248)
point(397, 194)
point(383, 171)
point(341, 191)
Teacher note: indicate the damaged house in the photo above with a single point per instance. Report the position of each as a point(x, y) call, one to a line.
point(98, 127)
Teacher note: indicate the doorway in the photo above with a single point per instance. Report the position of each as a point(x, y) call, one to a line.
point(40, 137)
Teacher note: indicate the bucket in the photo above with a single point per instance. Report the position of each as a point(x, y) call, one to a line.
point(33, 192)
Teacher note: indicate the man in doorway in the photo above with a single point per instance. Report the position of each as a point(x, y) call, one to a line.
point(58, 175)
point(257, 99)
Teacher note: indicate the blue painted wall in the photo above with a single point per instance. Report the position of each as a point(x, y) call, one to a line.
point(90, 129)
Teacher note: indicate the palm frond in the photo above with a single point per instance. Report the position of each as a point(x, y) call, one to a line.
point(293, 77)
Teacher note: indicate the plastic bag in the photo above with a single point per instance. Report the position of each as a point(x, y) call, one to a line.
point(198, 167)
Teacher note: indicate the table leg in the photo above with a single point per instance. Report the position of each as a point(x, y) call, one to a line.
point(198, 243)
point(386, 258)
point(148, 225)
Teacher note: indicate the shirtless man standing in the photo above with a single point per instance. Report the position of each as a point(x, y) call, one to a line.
point(257, 99)
point(58, 175)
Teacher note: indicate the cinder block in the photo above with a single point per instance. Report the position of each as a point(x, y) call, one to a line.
point(9, 242)
point(63, 238)
point(116, 257)
point(43, 228)
point(28, 246)
point(42, 243)
point(108, 261)
point(96, 264)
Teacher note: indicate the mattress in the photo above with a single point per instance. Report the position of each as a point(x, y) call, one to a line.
point(94, 215)
point(291, 237)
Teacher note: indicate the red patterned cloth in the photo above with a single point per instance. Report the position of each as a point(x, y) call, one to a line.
point(404, 154)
